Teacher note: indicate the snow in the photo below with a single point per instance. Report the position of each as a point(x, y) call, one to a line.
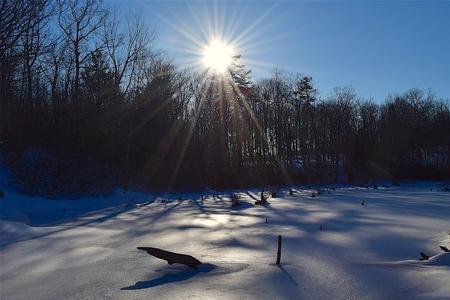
point(333, 247)
point(442, 259)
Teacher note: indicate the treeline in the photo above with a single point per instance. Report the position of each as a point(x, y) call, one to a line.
point(103, 106)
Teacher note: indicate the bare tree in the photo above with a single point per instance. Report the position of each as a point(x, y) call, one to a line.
point(80, 20)
point(127, 50)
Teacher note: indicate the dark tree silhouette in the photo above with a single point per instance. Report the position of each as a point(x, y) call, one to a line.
point(102, 107)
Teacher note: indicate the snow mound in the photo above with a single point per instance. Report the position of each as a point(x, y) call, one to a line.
point(13, 227)
point(12, 231)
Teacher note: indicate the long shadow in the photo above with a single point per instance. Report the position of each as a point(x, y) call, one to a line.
point(112, 213)
point(165, 212)
point(288, 275)
point(199, 206)
point(242, 205)
point(170, 277)
point(85, 223)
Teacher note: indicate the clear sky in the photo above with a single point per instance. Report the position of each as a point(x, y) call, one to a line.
point(376, 47)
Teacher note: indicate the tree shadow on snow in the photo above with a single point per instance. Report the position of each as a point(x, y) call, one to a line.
point(289, 276)
point(242, 205)
point(183, 275)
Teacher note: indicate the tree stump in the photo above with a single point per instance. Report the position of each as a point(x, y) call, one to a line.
point(263, 200)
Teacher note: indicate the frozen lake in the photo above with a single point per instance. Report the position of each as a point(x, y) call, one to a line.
point(334, 247)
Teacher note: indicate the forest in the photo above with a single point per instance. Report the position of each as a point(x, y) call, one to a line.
point(88, 101)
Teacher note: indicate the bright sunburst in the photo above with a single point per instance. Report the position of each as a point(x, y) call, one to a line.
point(217, 56)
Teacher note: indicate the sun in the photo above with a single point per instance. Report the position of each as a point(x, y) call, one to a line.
point(217, 56)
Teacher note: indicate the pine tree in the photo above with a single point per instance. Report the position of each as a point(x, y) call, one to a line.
point(304, 99)
point(242, 119)
point(98, 82)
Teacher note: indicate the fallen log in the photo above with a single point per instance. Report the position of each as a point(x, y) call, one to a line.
point(445, 249)
point(172, 257)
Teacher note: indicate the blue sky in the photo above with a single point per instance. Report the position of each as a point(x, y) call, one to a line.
point(376, 47)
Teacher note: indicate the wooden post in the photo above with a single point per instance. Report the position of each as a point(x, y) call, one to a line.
point(279, 250)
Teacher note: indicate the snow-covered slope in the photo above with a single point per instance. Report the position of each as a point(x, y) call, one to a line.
point(333, 246)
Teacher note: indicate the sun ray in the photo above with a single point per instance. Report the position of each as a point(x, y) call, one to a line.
point(254, 24)
point(182, 30)
point(261, 131)
point(252, 47)
point(214, 42)
point(211, 24)
point(187, 140)
point(203, 29)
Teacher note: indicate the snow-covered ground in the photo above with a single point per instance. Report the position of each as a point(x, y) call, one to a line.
point(333, 246)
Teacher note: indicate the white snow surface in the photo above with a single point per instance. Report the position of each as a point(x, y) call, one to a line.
point(86, 248)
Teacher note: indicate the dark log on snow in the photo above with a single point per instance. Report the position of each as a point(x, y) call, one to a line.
point(172, 257)
point(443, 248)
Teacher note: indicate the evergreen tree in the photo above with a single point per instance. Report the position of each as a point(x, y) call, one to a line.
point(98, 82)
